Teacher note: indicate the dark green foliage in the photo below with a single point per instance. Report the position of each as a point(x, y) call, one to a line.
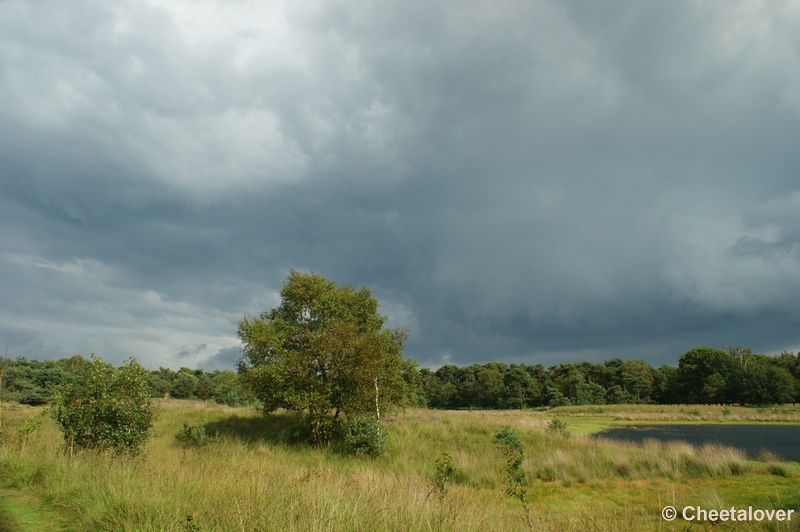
point(185, 385)
point(363, 437)
point(159, 382)
point(704, 375)
point(193, 435)
point(223, 387)
point(105, 408)
point(34, 382)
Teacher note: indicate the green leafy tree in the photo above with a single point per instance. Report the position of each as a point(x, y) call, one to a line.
point(695, 378)
point(489, 387)
point(106, 408)
point(521, 389)
point(185, 385)
point(324, 351)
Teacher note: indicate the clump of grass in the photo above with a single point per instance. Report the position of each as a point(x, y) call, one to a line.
point(776, 469)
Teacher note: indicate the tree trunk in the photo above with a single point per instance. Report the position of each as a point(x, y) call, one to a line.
point(377, 408)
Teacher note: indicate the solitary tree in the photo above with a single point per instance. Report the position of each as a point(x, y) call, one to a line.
point(323, 351)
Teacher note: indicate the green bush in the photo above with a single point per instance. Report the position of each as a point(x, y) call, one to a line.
point(444, 474)
point(193, 435)
point(363, 437)
point(106, 408)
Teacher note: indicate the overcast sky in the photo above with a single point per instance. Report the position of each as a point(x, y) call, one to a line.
point(515, 181)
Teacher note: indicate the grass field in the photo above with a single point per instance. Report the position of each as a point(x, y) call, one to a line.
point(253, 478)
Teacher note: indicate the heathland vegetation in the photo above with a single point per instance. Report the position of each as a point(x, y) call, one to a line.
point(256, 472)
point(325, 426)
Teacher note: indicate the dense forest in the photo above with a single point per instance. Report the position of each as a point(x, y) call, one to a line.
point(703, 375)
point(33, 382)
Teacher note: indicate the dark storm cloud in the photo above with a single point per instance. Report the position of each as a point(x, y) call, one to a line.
point(223, 359)
point(524, 181)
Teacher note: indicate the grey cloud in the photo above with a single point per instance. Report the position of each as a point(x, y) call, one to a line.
point(223, 359)
point(189, 352)
point(538, 181)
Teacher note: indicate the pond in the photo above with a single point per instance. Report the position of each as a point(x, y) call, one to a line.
point(783, 440)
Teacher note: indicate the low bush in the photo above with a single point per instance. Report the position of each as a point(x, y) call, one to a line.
point(106, 408)
point(362, 437)
point(193, 436)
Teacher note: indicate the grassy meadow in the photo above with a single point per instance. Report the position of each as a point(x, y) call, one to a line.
point(253, 477)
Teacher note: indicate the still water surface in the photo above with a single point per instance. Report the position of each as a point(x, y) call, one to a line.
point(783, 440)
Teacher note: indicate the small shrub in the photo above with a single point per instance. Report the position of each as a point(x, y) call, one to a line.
point(363, 437)
point(559, 427)
point(444, 474)
point(514, 452)
point(106, 408)
point(26, 430)
point(726, 411)
point(509, 440)
point(193, 436)
point(29, 427)
point(695, 412)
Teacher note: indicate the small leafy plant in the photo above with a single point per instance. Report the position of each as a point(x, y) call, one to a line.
point(443, 475)
point(514, 453)
point(26, 430)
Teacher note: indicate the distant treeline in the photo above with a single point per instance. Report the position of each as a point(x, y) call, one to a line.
point(33, 382)
point(704, 375)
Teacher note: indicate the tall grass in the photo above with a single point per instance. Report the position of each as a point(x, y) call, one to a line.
point(257, 474)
